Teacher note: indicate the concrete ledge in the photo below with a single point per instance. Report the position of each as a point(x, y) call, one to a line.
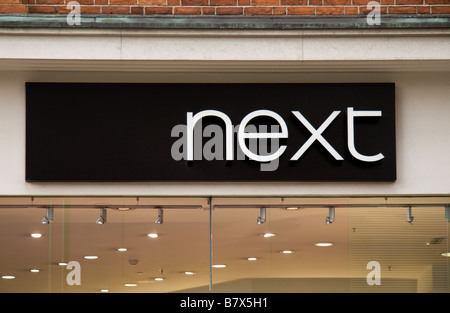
point(226, 22)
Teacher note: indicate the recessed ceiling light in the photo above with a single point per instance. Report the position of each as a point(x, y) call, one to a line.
point(34, 270)
point(8, 277)
point(62, 263)
point(104, 290)
point(446, 254)
point(153, 235)
point(267, 235)
point(122, 249)
point(90, 257)
point(219, 265)
point(323, 244)
point(252, 259)
point(287, 251)
point(36, 235)
point(159, 278)
point(189, 273)
point(130, 285)
point(292, 208)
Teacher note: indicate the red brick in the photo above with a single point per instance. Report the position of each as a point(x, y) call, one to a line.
point(50, 2)
point(361, 2)
point(90, 9)
point(194, 2)
point(82, 2)
point(229, 11)
point(279, 11)
point(293, 2)
point(265, 2)
point(337, 2)
point(23, 1)
point(409, 2)
point(10, 2)
point(187, 10)
point(301, 11)
point(440, 9)
point(315, 2)
point(243, 2)
point(116, 10)
point(101, 1)
point(158, 10)
point(425, 9)
point(47, 9)
point(13, 8)
point(208, 11)
point(437, 1)
point(123, 2)
point(137, 10)
point(402, 10)
point(222, 2)
point(330, 11)
point(385, 2)
point(173, 2)
point(351, 11)
point(258, 11)
point(152, 2)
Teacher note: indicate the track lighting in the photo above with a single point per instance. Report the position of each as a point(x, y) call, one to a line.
point(330, 217)
point(49, 217)
point(102, 219)
point(160, 219)
point(409, 217)
point(262, 216)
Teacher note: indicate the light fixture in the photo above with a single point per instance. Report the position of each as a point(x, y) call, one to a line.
point(130, 285)
point(189, 273)
point(8, 277)
point(287, 251)
point(268, 235)
point(330, 217)
point(219, 266)
point(159, 278)
point(152, 235)
point(102, 219)
point(446, 254)
point(34, 270)
point(36, 235)
point(292, 208)
point(91, 257)
point(160, 219)
point(323, 244)
point(104, 290)
point(262, 216)
point(409, 217)
point(49, 217)
point(122, 249)
point(62, 263)
point(252, 259)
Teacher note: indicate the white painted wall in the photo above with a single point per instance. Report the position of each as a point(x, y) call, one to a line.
point(422, 95)
point(423, 138)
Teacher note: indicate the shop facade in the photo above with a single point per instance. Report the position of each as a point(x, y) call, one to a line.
point(346, 213)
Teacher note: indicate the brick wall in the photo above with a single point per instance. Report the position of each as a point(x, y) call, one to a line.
point(226, 7)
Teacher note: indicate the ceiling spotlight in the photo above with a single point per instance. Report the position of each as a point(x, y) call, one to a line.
point(91, 257)
point(34, 270)
point(446, 254)
point(153, 235)
point(262, 216)
point(330, 217)
point(104, 290)
point(122, 249)
point(36, 235)
point(252, 259)
point(160, 220)
point(323, 244)
point(62, 263)
point(102, 219)
point(409, 217)
point(189, 273)
point(8, 277)
point(49, 217)
point(219, 266)
point(287, 251)
point(130, 285)
point(159, 278)
point(267, 235)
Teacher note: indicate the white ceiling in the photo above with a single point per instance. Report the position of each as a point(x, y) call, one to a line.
point(365, 229)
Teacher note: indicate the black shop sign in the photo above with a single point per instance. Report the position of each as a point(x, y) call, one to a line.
point(210, 132)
